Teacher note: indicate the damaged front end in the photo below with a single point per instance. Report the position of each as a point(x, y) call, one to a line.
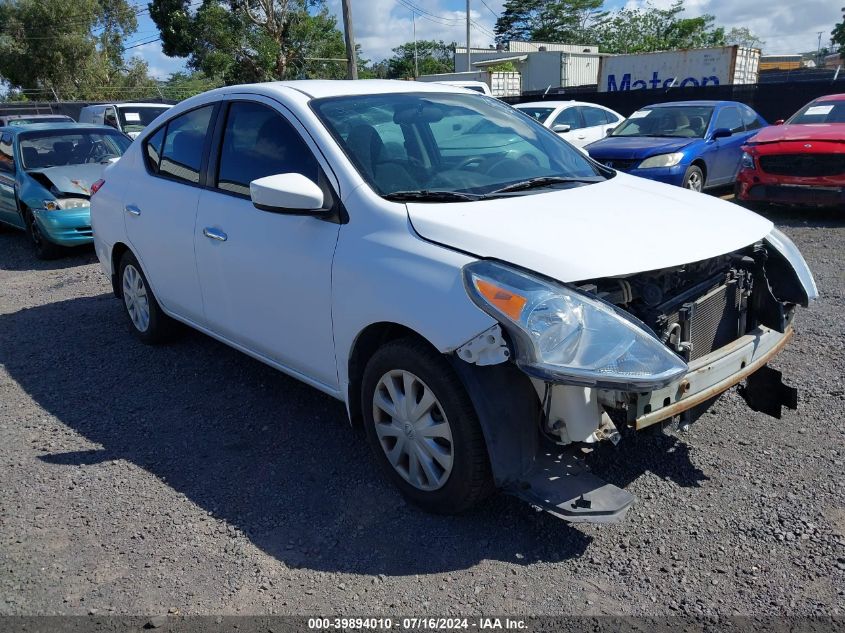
point(636, 350)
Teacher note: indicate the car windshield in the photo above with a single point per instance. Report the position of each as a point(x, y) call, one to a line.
point(673, 121)
point(447, 143)
point(136, 118)
point(54, 148)
point(536, 112)
point(820, 112)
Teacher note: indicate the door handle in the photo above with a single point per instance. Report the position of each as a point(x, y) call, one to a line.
point(132, 209)
point(215, 234)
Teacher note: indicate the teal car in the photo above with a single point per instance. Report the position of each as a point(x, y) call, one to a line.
point(46, 174)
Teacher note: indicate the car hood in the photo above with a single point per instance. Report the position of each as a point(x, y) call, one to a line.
point(803, 132)
point(70, 179)
point(636, 146)
point(621, 226)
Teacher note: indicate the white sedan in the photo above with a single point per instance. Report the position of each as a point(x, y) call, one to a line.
point(483, 298)
point(577, 122)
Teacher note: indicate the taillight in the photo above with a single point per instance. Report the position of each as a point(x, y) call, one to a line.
point(97, 185)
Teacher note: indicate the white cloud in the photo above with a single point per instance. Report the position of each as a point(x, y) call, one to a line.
point(160, 65)
point(786, 26)
point(381, 25)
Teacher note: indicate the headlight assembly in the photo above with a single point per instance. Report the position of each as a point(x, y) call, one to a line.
point(661, 160)
point(747, 161)
point(564, 336)
point(787, 249)
point(66, 203)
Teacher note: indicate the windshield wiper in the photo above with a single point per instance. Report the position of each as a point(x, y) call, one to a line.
point(429, 195)
point(543, 181)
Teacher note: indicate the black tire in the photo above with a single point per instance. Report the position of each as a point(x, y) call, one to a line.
point(470, 479)
point(160, 327)
point(694, 175)
point(44, 249)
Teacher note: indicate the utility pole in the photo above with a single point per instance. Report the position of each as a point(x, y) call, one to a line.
point(351, 61)
point(469, 46)
point(416, 59)
point(819, 51)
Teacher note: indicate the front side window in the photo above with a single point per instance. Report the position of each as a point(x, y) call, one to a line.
point(820, 112)
point(667, 121)
point(450, 144)
point(181, 154)
point(7, 156)
point(259, 142)
point(537, 113)
point(57, 148)
point(729, 118)
point(570, 117)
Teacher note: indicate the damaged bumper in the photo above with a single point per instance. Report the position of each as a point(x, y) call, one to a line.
point(708, 377)
point(66, 227)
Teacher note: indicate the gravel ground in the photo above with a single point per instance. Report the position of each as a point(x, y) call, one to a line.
point(191, 479)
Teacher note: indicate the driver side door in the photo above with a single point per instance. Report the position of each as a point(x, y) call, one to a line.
point(570, 116)
point(726, 151)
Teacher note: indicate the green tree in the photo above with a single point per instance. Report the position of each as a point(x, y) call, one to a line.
point(49, 47)
point(742, 36)
point(649, 29)
point(837, 37)
point(252, 40)
point(432, 57)
point(568, 21)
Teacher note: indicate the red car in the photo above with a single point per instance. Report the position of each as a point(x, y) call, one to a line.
point(800, 162)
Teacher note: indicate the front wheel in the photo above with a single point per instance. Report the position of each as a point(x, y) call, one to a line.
point(44, 249)
point(694, 178)
point(423, 429)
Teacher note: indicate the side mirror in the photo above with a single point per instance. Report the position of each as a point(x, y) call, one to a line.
point(721, 132)
point(560, 128)
point(286, 193)
point(780, 122)
point(609, 131)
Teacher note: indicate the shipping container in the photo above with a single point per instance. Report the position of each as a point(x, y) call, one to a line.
point(682, 68)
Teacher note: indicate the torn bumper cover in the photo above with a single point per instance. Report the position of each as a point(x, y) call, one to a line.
point(708, 377)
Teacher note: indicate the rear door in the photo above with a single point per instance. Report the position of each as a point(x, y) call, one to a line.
point(266, 277)
point(160, 209)
point(595, 124)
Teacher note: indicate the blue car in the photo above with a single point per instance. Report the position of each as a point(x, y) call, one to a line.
point(692, 144)
point(46, 174)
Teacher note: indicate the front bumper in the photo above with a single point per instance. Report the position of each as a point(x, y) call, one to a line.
point(709, 376)
point(754, 185)
point(66, 227)
point(669, 175)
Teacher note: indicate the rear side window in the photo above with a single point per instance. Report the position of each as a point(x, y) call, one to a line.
point(570, 117)
point(7, 156)
point(181, 154)
point(750, 118)
point(259, 142)
point(593, 116)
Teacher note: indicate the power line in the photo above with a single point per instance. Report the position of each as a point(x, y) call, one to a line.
point(495, 15)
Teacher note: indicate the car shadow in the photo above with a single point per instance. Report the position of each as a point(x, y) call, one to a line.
point(18, 255)
point(267, 454)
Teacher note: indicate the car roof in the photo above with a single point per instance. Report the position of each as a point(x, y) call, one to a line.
point(320, 88)
point(33, 116)
point(68, 126)
point(692, 103)
point(558, 104)
point(131, 105)
point(838, 97)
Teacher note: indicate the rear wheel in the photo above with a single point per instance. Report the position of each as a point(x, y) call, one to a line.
point(44, 249)
point(146, 318)
point(423, 429)
point(694, 178)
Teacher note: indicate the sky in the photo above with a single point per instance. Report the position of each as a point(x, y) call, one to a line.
point(787, 26)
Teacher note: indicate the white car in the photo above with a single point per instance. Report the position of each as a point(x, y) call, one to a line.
point(129, 118)
point(577, 122)
point(485, 303)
